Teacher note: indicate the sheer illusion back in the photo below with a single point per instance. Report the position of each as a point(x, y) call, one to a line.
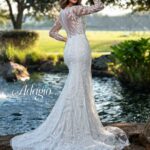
point(71, 18)
point(73, 123)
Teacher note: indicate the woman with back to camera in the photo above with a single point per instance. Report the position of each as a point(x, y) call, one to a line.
point(73, 123)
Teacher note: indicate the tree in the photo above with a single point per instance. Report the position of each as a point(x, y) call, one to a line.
point(136, 5)
point(36, 8)
point(40, 8)
point(3, 16)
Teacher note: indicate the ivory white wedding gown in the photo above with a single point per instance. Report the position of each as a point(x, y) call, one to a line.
point(73, 123)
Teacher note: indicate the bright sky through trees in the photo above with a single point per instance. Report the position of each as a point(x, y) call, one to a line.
point(108, 10)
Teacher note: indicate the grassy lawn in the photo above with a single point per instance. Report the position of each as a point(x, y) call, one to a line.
point(47, 47)
point(100, 41)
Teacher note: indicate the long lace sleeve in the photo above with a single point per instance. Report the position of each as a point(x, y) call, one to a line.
point(55, 29)
point(85, 10)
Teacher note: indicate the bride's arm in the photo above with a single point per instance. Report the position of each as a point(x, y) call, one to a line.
point(85, 10)
point(55, 29)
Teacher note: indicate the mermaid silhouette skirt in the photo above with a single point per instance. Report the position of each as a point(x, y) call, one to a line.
point(73, 123)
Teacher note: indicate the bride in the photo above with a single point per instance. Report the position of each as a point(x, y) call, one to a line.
point(73, 123)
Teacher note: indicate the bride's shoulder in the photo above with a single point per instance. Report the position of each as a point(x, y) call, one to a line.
point(76, 7)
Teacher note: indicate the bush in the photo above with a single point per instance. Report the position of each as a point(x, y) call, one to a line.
point(18, 38)
point(132, 61)
point(3, 53)
point(15, 44)
point(15, 54)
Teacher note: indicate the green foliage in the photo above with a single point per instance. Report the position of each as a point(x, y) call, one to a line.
point(3, 16)
point(133, 61)
point(15, 45)
point(15, 54)
point(19, 39)
point(136, 5)
point(49, 8)
point(34, 8)
point(3, 53)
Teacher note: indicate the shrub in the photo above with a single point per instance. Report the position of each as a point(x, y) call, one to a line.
point(3, 53)
point(16, 55)
point(18, 38)
point(132, 61)
point(14, 45)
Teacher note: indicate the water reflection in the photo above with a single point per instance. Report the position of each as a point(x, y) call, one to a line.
point(24, 112)
point(117, 104)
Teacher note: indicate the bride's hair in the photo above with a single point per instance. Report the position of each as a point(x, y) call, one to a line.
point(64, 3)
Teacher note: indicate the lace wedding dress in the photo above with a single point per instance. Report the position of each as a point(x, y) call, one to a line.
point(73, 123)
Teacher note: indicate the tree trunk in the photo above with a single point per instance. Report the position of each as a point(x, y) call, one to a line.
point(16, 21)
point(17, 25)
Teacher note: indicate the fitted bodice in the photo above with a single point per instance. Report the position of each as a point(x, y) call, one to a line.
point(72, 23)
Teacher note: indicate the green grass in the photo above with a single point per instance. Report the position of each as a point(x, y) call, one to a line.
point(47, 47)
point(100, 41)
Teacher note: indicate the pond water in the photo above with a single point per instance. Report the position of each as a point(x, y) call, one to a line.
point(25, 105)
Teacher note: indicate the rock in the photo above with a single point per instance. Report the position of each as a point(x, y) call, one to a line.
point(5, 142)
point(100, 66)
point(100, 73)
point(135, 134)
point(146, 131)
point(46, 66)
point(12, 71)
point(133, 131)
point(134, 147)
point(100, 63)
